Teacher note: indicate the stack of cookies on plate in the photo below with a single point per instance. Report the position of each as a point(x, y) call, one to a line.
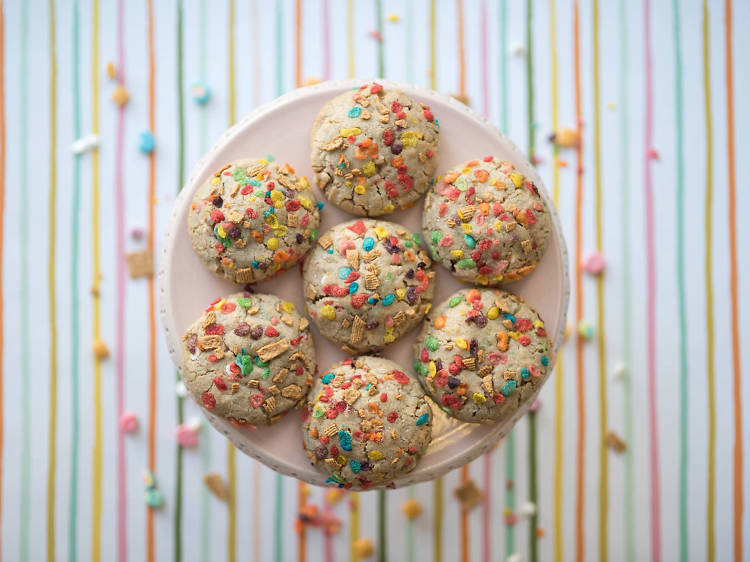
point(480, 356)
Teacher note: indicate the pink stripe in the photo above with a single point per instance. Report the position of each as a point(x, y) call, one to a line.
point(485, 63)
point(326, 42)
point(122, 535)
point(651, 298)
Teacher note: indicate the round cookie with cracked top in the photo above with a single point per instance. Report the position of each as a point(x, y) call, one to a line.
point(367, 283)
point(367, 423)
point(482, 355)
point(374, 150)
point(253, 219)
point(486, 222)
point(249, 358)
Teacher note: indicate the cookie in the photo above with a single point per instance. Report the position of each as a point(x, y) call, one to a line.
point(253, 219)
point(374, 150)
point(249, 358)
point(367, 283)
point(482, 355)
point(486, 222)
point(367, 423)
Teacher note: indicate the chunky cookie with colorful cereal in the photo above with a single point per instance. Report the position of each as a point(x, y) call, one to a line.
point(367, 423)
point(367, 283)
point(249, 358)
point(486, 222)
point(482, 355)
point(253, 219)
point(374, 150)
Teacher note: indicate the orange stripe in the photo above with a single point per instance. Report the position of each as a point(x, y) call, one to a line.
point(301, 534)
point(151, 294)
point(2, 238)
point(580, 465)
point(464, 519)
point(736, 351)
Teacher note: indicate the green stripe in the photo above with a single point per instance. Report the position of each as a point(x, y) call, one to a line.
point(629, 487)
point(681, 286)
point(510, 446)
point(379, 17)
point(74, 298)
point(181, 179)
point(277, 534)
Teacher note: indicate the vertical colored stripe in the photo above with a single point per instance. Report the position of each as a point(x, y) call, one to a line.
point(708, 268)
point(682, 300)
point(301, 486)
point(464, 519)
point(437, 522)
point(625, 187)
point(151, 295)
point(327, 537)
point(581, 437)
point(461, 49)
point(651, 293)
point(52, 286)
point(97, 453)
point(533, 484)
point(558, 454)
point(2, 239)
point(74, 298)
point(350, 37)
point(433, 35)
point(379, 21)
point(738, 487)
point(437, 486)
point(487, 459)
point(180, 181)
point(510, 446)
point(353, 526)
point(326, 23)
point(601, 339)
point(230, 450)
point(122, 498)
point(23, 213)
point(382, 527)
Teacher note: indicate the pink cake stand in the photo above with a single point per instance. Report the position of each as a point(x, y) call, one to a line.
point(282, 128)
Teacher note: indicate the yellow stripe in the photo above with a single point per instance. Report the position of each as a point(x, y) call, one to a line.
point(601, 339)
point(708, 221)
point(354, 527)
point(558, 541)
point(96, 494)
point(52, 287)
point(437, 522)
point(350, 38)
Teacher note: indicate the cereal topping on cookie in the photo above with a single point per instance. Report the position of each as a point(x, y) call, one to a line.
point(486, 222)
point(374, 150)
point(253, 219)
